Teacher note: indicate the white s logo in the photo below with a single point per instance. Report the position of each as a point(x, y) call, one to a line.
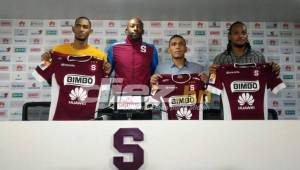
point(143, 49)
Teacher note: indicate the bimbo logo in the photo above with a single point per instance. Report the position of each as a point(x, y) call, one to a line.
point(244, 86)
point(187, 100)
point(79, 80)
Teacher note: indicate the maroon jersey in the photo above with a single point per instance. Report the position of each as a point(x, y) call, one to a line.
point(75, 86)
point(243, 88)
point(181, 96)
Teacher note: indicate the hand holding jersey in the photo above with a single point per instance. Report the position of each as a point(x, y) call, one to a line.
point(75, 86)
point(182, 96)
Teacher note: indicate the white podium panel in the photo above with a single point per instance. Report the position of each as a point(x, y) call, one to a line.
point(166, 145)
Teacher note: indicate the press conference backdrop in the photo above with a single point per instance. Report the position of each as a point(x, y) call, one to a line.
point(23, 41)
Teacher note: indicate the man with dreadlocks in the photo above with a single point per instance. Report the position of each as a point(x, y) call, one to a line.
point(239, 51)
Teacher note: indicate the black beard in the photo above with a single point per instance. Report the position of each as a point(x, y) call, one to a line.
point(80, 39)
point(134, 37)
point(239, 45)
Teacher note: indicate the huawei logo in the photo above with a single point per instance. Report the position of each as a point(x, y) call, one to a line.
point(78, 93)
point(184, 114)
point(245, 98)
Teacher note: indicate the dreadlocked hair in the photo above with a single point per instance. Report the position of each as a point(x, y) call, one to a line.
point(229, 47)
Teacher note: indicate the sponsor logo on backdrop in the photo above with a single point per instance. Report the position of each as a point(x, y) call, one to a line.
point(200, 24)
point(258, 42)
point(5, 49)
point(20, 49)
point(19, 67)
point(257, 33)
point(3, 95)
point(33, 85)
point(35, 49)
point(21, 32)
point(170, 24)
point(272, 33)
point(5, 40)
point(66, 32)
point(36, 23)
point(170, 32)
point(214, 24)
point(4, 68)
point(286, 34)
point(36, 32)
point(4, 86)
point(185, 24)
point(155, 24)
point(5, 23)
point(271, 25)
point(51, 32)
point(21, 23)
point(33, 95)
point(3, 113)
point(67, 23)
point(18, 76)
point(51, 23)
point(286, 42)
point(111, 24)
point(111, 32)
point(4, 58)
point(17, 95)
point(19, 59)
point(290, 112)
point(20, 40)
point(272, 42)
point(35, 41)
point(214, 33)
point(285, 25)
point(16, 85)
point(200, 33)
point(5, 31)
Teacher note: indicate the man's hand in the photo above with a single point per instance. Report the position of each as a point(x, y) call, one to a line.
point(154, 79)
point(213, 68)
point(107, 67)
point(203, 77)
point(275, 68)
point(46, 58)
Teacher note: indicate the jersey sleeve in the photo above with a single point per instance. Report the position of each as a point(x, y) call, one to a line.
point(43, 73)
point(274, 82)
point(215, 82)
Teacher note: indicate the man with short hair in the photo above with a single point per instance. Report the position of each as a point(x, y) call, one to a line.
point(133, 62)
point(82, 28)
point(179, 64)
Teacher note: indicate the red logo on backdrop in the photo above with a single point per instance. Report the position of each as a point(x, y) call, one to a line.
point(200, 24)
point(170, 24)
point(21, 24)
point(257, 25)
point(111, 24)
point(2, 104)
point(51, 24)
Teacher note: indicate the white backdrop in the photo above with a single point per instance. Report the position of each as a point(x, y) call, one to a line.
point(23, 41)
